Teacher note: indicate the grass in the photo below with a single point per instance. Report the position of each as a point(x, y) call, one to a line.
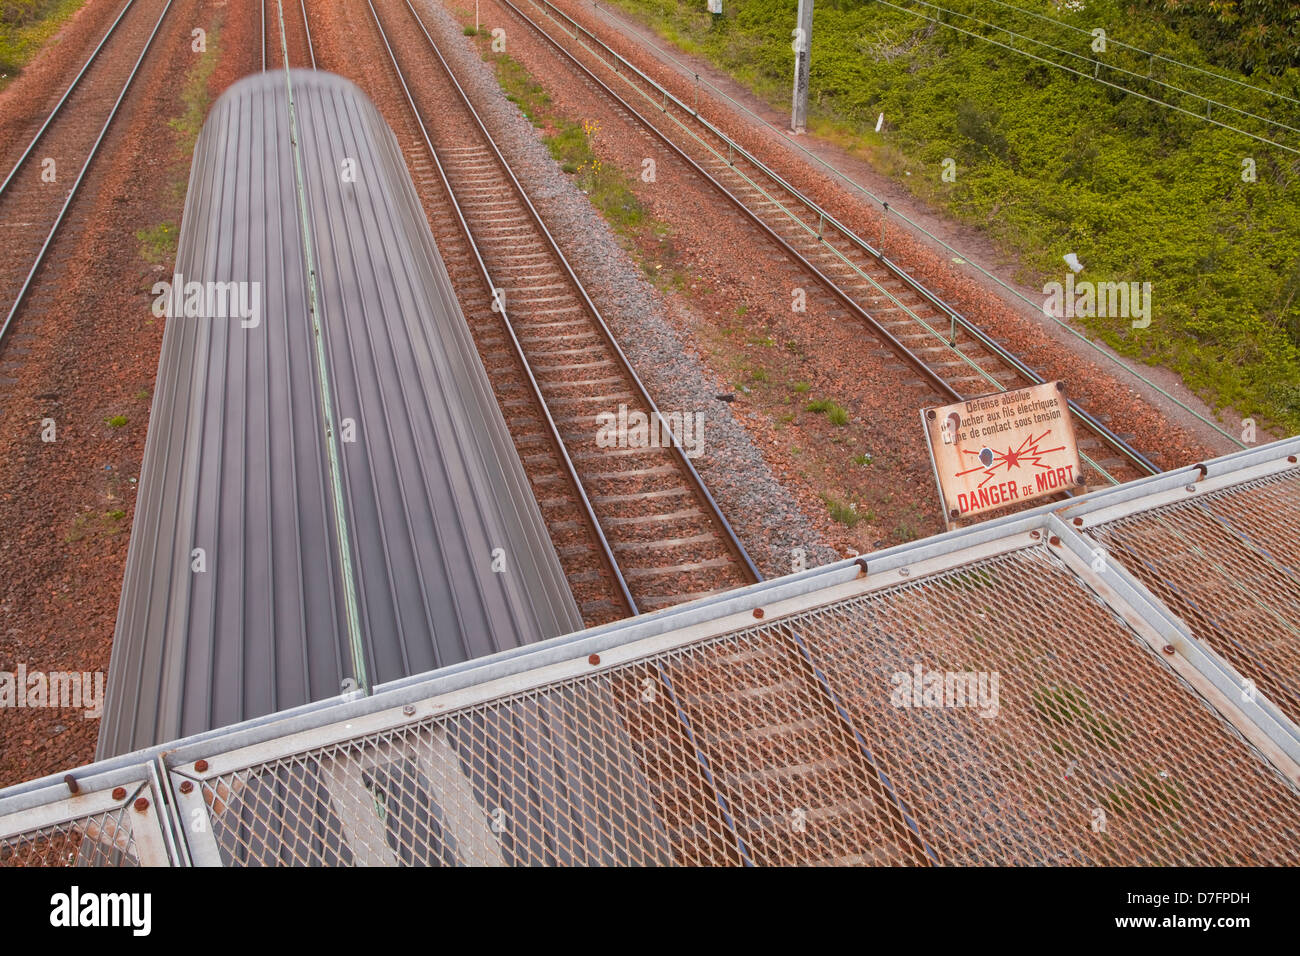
point(25, 27)
point(88, 523)
point(862, 460)
point(834, 413)
point(1148, 791)
point(157, 243)
point(1065, 708)
point(570, 145)
point(1138, 192)
point(195, 95)
point(117, 421)
point(846, 514)
point(802, 388)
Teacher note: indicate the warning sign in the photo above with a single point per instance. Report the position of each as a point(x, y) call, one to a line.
point(1003, 449)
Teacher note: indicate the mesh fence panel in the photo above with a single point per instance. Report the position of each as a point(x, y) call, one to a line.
point(1228, 564)
point(101, 839)
point(999, 713)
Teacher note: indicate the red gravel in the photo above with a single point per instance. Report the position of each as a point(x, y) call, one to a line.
point(85, 350)
point(1158, 430)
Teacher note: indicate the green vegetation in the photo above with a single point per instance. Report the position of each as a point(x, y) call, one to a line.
point(834, 412)
point(117, 421)
point(195, 93)
point(862, 460)
point(1148, 791)
point(845, 514)
point(1050, 163)
point(25, 26)
point(470, 31)
point(608, 188)
point(801, 388)
point(157, 244)
point(1064, 707)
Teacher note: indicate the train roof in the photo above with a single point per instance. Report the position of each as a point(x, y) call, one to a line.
point(234, 601)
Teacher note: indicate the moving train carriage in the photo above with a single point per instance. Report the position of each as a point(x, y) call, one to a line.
point(244, 549)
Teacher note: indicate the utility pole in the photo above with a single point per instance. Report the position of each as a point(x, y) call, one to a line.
point(802, 52)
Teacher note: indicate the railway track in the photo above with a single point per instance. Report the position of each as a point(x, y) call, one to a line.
point(654, 527)
point(37, 194)
point(295, 40)
point(952, 355)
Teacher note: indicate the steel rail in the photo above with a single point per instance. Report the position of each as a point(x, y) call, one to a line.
point(284, 42)
point(729, 537)
point(956, 319)
point(606, 551)
point(67, 203)
point(63, 99)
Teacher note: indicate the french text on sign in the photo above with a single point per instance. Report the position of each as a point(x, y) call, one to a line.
point(1002, 449)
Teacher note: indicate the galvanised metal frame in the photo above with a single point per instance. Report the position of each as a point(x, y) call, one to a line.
point(186, 836)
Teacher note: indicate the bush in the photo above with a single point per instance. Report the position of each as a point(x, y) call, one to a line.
point(1050, 163)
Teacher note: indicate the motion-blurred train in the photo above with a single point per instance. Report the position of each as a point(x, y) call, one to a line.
point(322, 511)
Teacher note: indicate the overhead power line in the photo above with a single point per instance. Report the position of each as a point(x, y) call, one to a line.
point(1096, 77)
point(1147, 53)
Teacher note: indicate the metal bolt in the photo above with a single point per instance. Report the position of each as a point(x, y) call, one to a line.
point(1054, 541)
point(904, 572)
point(1189, 487)
point(758, 612)
point(1168, 648)
point(408, 710)
point(1080, 480)
point(71, 781)
point(1035, 534)
point(187, 786)
point(119, 793)
point(930, 414)
point(1291, 459)
point(1060, 386)
point(954, 514)
point(201, 766)
point(1078, 522)
point(142, 804)
point(593, 660)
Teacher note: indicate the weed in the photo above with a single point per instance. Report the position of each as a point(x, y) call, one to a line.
point(834, 413)
point(845, 514)
point(157, 243)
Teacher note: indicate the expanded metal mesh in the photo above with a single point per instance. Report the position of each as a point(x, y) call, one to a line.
point(1228, 564)
point(102, 839)
point(1055, 736)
